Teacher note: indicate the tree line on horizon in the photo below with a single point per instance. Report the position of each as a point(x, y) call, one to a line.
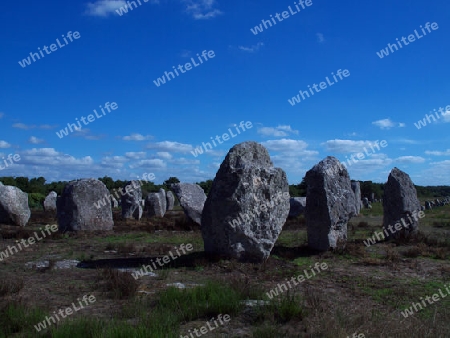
point(38, 189)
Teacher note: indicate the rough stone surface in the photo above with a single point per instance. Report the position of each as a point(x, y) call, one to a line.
point(155, 205)
point(399, 201)
point(79, 206)
point(13, 206)
point(247, 206)
point(331, 203)
point(192, 199)
point(131, 200)
point(356, 187)
point(50, 201)
point(163, 194)
point(170, 199)
point(297, 206)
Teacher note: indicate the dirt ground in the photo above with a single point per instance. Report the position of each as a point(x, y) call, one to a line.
point(362, 291)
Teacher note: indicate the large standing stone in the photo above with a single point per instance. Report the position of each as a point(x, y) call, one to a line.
point(247, 206)
point(14, 207)
point(170, 198)
point(297, 206)
point(155, 204)
point(192, 199)
point(356, 187)
point(85, 205)
point(50, 202)
point(400, 201)
point(331, 203)
point(131, 200)
point(163, 199)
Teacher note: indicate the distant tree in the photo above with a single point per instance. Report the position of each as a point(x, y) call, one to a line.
point(108, 181)
point(294, 191)
point(368, 187)
point(22, 183)
point(301, 187)
point(8, 181)
point(37, 185)
point(206, 186)
point(57, 187)
point(169, 181)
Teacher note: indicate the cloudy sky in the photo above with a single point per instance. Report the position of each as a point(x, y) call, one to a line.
point(242, 76)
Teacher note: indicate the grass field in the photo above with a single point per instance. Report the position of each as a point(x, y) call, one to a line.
point(363, 290)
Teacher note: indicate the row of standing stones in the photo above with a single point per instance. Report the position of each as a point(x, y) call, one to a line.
point(245, 211)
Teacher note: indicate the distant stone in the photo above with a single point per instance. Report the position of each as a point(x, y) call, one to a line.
point(170, 199)
point(331, 204)
point(155, 204)
point(297, 206)
point(85, 205)
point(50, 202)
point(247, 205)
point(14, 207)
point(131, 200)
point(400, 204)
point(356, 187)
point(192, 199)
point(366, 203)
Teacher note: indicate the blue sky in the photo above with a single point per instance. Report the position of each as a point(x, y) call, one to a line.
point(251, 77)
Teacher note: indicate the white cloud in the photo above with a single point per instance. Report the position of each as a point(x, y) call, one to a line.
point(35, 140)
point(4, 144)
point(31, 126)
point(279, 131)
point(387, 124)
point(202, 9)
point(438, 153)
point(184, 161)
point(347, 146)
point(285, 145)
point(410, 159)
point(49, 156)
point(320, 37)
point(446, 116)
point(86, 134)
point(137, 137)
point(437, 174)
point(114, 162)
point(169, 146)
point(164, 154)
point(251, 49)
point(23, 126)
point(370, 168)
point(150, 164)
point(104, 8)
point(290, 155)
point(135, 155)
